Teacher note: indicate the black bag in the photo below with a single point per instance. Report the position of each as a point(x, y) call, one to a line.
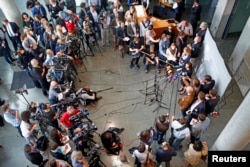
point(1, 121)
point(42, 143)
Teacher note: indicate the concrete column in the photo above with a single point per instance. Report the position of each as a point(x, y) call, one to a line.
point(235, 136)
point(221, 16)
point(11, 11)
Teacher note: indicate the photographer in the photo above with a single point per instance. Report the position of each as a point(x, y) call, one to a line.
point(56, 93)
point(87, 95)
point(28, 128)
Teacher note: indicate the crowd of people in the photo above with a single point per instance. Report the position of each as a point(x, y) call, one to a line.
point(46, 49)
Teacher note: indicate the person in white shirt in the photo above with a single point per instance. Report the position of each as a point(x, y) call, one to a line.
point(140, 154)
point(179, 132)
point(28, 128)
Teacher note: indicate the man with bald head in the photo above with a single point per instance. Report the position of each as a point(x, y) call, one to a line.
point(55, 92)
point(38, 74)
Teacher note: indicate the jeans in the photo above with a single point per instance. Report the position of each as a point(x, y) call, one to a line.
point(160, 136)
point(177, 142)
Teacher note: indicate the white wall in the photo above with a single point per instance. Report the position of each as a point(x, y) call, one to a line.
point(235, 135)
point(221, 15)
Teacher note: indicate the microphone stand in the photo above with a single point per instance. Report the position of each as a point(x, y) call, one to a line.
point(158, 93)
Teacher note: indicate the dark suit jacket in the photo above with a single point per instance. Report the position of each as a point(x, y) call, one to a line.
point(14, 27)
point(200, 108)
point(121, 33)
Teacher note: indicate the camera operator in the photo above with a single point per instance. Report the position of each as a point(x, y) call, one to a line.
point(50, 115)
point(65, 60)
point(87, 95)
point(111, 141)
point(88, 30)
point(56, 93)
point(65, 121)
point(28, 128)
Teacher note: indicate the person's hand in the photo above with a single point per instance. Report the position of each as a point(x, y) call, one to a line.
point(67, 89)
point(167, 114)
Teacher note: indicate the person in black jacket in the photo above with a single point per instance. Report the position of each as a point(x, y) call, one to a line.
point(13, 32)
point(34, 156)
point(195, 14)
point(5, 52)
point(24, 58)
point(164, 154)
point(38, 74)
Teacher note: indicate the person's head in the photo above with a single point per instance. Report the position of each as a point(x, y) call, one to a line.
point(145, 19)
point(196, 82)
point(37, 17)
point(162, 118)
point(150, 27)
point(187, 50)
point(53, 163)
point(136, 40)
point(197, 39)
point(169, 67)
point(201, 96)
point(92, 8)
point(213, 92)
point(34, 62)
point(207, 78)
point(173, 46)
point(185, 23)
point(83, 5)
point(115, 11)
point(70, 110)
point(78, 156)
point(202, 116)
point(54, 146)
point(188, 65)
point(25, 16)
point(196, 2)
point(20, 51)
point(25, 116)
point(145, 135)
point(49, 52)
point(122, 23)
point(182, 120)
point(165, 146)
point(203, 25)
point(5, 107)
point(181, 34)
point(141, 148)
point(28, 148)
point(37, 4)
point(105, 14)
point(197, 145)
point(53, 84)
point(5, 22)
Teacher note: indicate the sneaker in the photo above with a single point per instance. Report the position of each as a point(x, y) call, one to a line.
point(146, 71)
point(138, 66)
point(131, 66)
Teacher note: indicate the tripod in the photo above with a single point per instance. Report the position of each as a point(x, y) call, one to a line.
point(159, 93)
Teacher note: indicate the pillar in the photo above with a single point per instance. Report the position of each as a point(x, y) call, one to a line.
point(11, 11)
point(221, 16)
point(235, 135)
